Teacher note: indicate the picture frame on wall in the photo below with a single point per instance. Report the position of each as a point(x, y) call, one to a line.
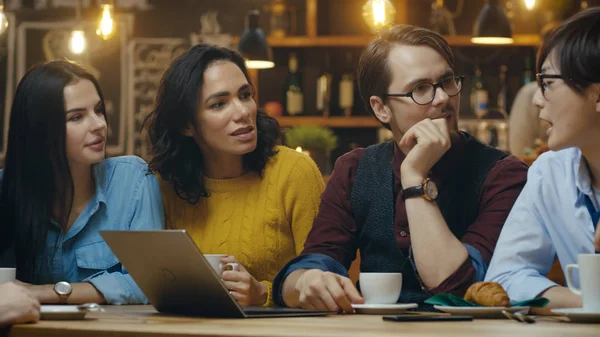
point(7, 84)
point(39, 42)
point(149, 58)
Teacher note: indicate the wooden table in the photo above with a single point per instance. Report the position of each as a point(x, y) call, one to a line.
point(145, 321)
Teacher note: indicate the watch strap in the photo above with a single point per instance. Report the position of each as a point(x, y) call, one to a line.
point(411, 192)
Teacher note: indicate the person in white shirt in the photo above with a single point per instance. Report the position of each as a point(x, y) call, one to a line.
point(557, 212)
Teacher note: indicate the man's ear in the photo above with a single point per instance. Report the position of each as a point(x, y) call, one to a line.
point(381, 111)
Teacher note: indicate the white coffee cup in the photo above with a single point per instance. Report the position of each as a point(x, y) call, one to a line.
point(215, 262)
point(589, 280)
point(380, 288)
point(8, 274)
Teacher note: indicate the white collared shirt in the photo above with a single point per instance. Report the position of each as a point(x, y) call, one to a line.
point(548, 219)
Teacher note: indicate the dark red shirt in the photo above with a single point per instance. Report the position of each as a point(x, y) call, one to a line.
point(333, 231)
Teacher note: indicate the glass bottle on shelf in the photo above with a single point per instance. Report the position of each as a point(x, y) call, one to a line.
point(528, 72)
point(323, 103)
point(294, 98)
point(472, 94)
point(479, 95)
point(503, 91)
point(346, 99)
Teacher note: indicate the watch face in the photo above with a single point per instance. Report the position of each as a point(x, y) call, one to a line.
point(431, 190)
point(63, 288)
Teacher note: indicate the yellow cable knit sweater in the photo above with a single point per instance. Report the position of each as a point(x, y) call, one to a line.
point(263, 222)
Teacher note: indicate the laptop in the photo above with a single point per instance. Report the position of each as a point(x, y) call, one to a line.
point(176, 278)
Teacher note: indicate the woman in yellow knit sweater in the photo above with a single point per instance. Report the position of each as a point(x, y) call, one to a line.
point(222, 176)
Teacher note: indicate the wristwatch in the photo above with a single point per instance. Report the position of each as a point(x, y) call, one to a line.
point(428, 190)
point(63, 290)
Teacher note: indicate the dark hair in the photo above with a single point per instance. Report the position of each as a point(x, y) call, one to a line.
point(576, 46)
point(177, 158)
point(37, 186)
point(374, 75)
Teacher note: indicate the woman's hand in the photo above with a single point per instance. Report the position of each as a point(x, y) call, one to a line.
point(17, 304)
point(243, 286)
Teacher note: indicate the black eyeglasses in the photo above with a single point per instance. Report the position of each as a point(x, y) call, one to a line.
point(424, 93)
point(543, 85)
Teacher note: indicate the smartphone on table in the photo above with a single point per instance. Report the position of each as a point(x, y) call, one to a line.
point(427, 318)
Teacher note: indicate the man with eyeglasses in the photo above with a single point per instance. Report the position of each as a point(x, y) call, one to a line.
point(429, 204)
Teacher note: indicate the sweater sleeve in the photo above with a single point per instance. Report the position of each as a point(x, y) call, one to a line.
point(302, 198)
point(269, 302)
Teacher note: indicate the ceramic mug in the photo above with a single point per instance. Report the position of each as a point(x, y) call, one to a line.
point(380, 288)
point(8, 274)
point(215, 262)
point(589, 280)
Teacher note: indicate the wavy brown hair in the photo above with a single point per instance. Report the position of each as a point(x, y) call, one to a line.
point(177, 158)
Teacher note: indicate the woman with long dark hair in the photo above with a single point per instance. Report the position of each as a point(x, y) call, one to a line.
point(222, 176)
point(558, 211)
point(58, 191)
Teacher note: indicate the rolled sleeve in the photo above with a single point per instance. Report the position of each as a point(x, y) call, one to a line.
point(118, 288)
point(499, 193)
point(455, 284)
point(500, 190)
point(525, 253)
point(479, 264)
point(146, 213)
point(309, 261)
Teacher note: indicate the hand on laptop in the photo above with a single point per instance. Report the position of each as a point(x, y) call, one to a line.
point(321, 290)
point(17, 305)
point(242, 286)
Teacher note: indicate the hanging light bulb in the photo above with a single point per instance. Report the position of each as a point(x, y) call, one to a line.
point(77, 43)
point(492, 25)
point(378, 13)
point(584, 4)
point(253, 44)
point(106, 25)
point(3, 20)
point(529, 4)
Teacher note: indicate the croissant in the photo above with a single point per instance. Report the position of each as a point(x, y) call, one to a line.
point(488, 294)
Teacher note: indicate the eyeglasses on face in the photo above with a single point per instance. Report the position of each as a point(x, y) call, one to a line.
point(424, 93)
point(543, 85)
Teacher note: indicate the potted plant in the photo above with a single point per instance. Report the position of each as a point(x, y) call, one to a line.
point(316, 141)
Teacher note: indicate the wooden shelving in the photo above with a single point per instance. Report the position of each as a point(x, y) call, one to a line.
point(523, 40)
point(520, 40)
point(362, 40)
point(331, 122)
point(312, 39)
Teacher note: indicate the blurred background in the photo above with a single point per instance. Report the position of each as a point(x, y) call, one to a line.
point(308, 52)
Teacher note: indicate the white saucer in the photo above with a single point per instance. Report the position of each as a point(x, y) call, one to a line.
point(480, 312)
point(66, 312)
point(579, 315)
point(383, 309)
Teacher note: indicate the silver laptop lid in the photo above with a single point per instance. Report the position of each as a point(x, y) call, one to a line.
point(172, 272)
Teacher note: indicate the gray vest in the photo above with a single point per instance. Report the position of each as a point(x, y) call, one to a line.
point(373, 206)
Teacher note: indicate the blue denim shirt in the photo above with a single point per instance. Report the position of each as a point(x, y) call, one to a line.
point(126, 198)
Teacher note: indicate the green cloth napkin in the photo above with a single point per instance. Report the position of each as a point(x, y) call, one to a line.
point(454, 301)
